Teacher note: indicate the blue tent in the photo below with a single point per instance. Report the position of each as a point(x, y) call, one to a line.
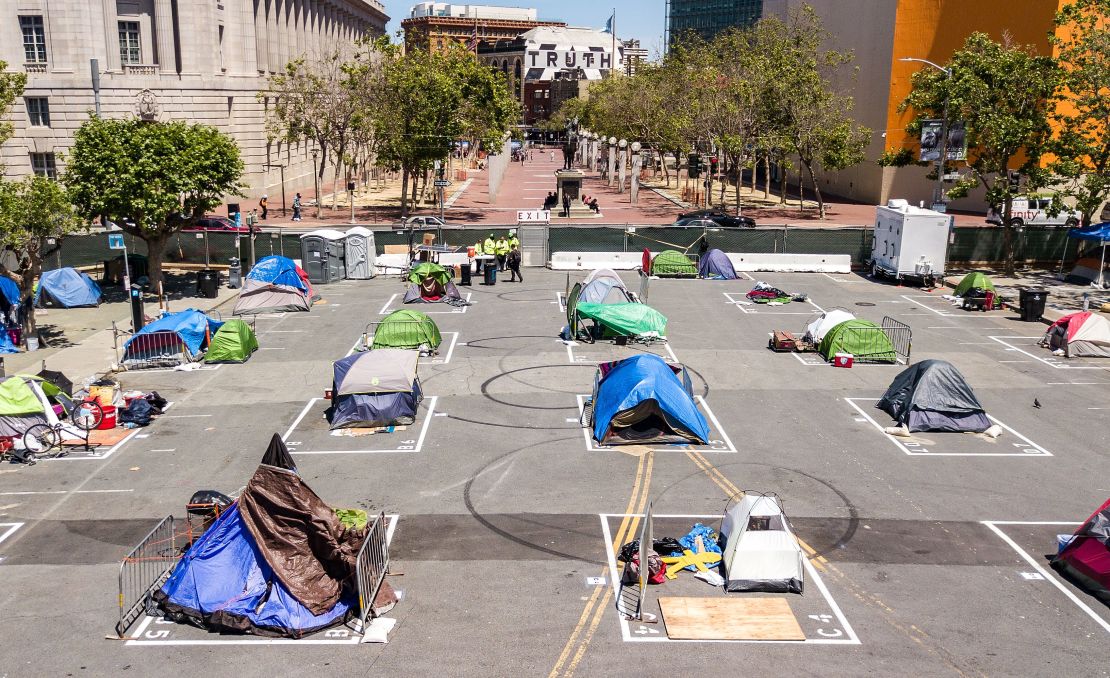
point(67, 287)
point(189, 327)
point(277, 270)
point(642, 400)
point(1098, 233)
point(278, 562)
point(6, 345)
point(375, 388)
point(10, 290)
point(717, 266)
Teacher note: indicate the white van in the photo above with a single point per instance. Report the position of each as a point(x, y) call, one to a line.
point(1033, 211)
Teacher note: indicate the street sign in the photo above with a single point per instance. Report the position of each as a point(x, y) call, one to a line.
point(115, 241)
point(442, 183)
point(533, 216)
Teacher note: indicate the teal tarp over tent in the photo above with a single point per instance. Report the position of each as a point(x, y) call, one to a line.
point(67, 287)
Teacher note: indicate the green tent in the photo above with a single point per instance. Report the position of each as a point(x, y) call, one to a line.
point(862, 338)
point(406, 328)
point(625, 320)
point(234, 342)
point(975, 279)
point(425, 270)
point(673, 264)
point(18, 398)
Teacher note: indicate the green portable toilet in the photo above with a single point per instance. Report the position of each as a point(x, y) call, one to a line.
point(861, 338)
point(234, 342)
point(406, 328)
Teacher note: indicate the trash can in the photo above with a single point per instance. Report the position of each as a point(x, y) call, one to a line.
point(208, 282)
point(1032, 301)
point(234, 274)
point(464, 273)
point(490, 274)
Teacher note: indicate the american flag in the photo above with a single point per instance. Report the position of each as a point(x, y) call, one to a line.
point(472, 43)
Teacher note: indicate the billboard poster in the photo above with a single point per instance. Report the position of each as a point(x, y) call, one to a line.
point(931, 131)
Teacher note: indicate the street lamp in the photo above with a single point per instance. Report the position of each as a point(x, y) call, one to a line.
point(938, 198)
point(636, 167)
point(623, 144)
point(610, 174)
point(316, 179)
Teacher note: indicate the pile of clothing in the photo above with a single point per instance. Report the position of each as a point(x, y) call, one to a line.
point(698, 552)
point(141, 408)
point(763, 293)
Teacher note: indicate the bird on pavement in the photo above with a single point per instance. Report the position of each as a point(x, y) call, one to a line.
point(1036, 403)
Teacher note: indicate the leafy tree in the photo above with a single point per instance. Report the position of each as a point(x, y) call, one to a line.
point(151, 178)
point(11, 87)
point(32, 211)
point(1081, 147)
point(1002, 93)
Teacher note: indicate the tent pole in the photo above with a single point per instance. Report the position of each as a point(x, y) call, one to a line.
point(1102, 265)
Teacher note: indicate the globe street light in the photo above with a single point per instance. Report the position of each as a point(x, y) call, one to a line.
point(316, 179)
point(938, 198)
point(636, 166)
point(623, 163)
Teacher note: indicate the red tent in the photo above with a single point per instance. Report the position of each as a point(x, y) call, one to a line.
point(1086, 558)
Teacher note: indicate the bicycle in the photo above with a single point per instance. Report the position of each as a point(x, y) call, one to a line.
point(40, 439)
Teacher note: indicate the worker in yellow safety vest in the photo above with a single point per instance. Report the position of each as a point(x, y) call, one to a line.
point(514, 242)
point(502, 248)
point(489, 246)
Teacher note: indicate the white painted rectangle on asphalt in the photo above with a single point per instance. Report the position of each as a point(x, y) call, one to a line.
point(1023, 447)
point(719, 440)
point(406, 446)
point(667, 355)
point(747, 307)
point(996, 527)
point(1040, 354)
point(424, 308)
point(78, 453)
point(820, 629)
point(8, 529)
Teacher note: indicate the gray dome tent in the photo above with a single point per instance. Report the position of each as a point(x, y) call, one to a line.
point(933, 396)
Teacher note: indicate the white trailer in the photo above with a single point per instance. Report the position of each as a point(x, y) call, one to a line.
point(910, 242)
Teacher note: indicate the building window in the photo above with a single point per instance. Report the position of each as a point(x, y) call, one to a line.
point(538, 93)
point(38, 111)
point(34, 39)
point(43, 165)
point(129, 51)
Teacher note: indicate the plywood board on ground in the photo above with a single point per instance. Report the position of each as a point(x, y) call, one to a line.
point(729, 619)
point(107, 437)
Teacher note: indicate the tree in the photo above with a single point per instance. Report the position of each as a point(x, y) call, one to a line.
point(11, 87)
point(1081, 147)
point(151, 178)
point(32, 211)
point(1002, 93)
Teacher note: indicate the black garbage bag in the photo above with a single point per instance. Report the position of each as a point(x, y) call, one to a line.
point(139, 413)
point(664, 546)
point(156, 401)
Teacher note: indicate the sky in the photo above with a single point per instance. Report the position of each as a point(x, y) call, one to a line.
point(642, 19)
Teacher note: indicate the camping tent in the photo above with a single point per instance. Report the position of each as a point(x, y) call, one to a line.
point(761, 552)
point(431, 283)
point(67, 287)
point(673, 264)
point(24, 402)
point(174, 338)
point(817, 329)
point(623, 320)
point(275, 284)
point(407, 328)
point(716, 265)
point(1099, 233)
point(642, 399)
point(933, 396)
point(1086, 558)
point(10, 290)
point(602, 286)
point(974, 280)
point(861, 338)
point(232, 343)
point(1085, 271)
point(1082, 334)
point(375, 388)
point(277, 562)
point(6, 345)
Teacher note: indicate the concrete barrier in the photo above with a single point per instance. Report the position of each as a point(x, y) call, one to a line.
point(784, 263)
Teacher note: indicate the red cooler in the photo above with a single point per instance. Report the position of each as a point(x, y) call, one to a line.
point(843, 360)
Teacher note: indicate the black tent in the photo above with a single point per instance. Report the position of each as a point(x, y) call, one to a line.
point(64, 384)
point(933, 396)
point(277, 454)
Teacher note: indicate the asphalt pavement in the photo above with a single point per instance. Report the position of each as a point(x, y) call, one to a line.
point(502, 509)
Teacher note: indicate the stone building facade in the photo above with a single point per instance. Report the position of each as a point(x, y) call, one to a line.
point(435, 26)
point(195, 60)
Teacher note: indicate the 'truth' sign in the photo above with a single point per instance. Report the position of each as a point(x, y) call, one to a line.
point(569, 59)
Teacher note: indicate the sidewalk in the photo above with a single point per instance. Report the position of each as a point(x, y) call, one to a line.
point(1063, 298)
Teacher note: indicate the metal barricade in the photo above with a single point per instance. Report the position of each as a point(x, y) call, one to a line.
point(901, 337)
point(156, 349)
point(145, 568)
point(372, 565)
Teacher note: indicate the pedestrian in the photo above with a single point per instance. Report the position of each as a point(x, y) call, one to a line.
point(297, 207)
point(513, 259)
point(489, 246)
point(566, 205)
point(594, 207)
point(263, 204)
point(501, 248)
point(552, 156)
point(514, 242)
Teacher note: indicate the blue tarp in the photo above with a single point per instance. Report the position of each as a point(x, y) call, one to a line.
point(1097, 232)
point(67, 287)
point(224, 574)
point(641, 378)
point(716, 265)
point(10, 290)
point(6, 345)
point(278, 271)
point(189, 325)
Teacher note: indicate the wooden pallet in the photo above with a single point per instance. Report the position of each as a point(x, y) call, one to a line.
point(728, 618)
point(105, 438)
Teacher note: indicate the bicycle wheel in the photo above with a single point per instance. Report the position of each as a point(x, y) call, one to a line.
point(41, 438)
point(87, 415)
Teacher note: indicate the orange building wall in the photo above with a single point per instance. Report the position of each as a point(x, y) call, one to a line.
point(934, 29)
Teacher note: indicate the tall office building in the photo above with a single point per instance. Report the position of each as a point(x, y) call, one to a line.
point(634, 55)
point(167, 60)
point(707, 18)
point(434, 26)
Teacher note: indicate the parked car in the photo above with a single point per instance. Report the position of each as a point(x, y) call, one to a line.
point(720, 217)
point(215, 224)
point(696, 222)
point(1033, 211)
point(423, 222)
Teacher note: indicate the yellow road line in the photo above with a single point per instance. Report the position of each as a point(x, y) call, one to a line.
point(639, 497)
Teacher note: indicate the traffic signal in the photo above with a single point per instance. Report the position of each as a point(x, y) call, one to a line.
point(1014, 177)
point(694, 165)
point(713, 160)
